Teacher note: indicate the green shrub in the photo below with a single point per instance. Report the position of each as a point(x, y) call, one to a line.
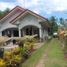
point(7, 56)
point(2, 63)
point(16, 51)
point(14, 57)
point(25, 53)
point(17, 58)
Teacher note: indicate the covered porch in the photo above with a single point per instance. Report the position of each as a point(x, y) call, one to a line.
point(10, 32)
point(30, 30)
point(16, 32)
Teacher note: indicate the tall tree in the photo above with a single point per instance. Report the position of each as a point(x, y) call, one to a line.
point(3, 13)
point(6, 11)
point(61, 21)
point(53, 24)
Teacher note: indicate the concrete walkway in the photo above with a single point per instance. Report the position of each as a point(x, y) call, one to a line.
point(44, 57)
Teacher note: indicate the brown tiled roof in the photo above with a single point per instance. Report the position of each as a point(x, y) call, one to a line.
point(3, 16)
point(29, 11)
point(23, 13)
point(17, 7)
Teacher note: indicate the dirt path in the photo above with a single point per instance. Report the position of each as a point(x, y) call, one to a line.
point(38, 45)
point(44, 58)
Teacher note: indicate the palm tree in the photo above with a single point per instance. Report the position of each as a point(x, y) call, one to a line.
point(53, 24)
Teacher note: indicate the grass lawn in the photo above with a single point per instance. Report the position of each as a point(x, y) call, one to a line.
point(32, 61)
point(55, 55)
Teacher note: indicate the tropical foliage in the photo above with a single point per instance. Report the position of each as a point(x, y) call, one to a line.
point(53, 24)
point(14, 57)
point(3, 13)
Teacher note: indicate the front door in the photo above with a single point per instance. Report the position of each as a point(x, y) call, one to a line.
point(15, 33)
point(29, 31)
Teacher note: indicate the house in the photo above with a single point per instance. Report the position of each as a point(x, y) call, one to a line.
point(20, 22)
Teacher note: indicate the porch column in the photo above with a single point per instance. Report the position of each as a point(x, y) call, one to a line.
point(19, 32)
point(40, 34)
point(0, 33)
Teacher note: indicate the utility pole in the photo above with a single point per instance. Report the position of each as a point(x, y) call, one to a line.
point(24, 3)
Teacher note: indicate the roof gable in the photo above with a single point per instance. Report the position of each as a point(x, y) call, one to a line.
point(30, 12)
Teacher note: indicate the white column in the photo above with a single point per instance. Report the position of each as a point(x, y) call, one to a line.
point(40, 34)
point(19, 32)
point(0, 33)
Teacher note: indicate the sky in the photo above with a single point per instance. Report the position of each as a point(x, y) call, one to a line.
point(46, 8)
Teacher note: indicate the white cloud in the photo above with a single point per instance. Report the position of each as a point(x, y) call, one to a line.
point(56, 5)
point(28, 3)
point(34, 5)
point(47, 6)
point(4, 5)
point(36, 11)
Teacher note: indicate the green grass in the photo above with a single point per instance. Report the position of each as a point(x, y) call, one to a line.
point(32, 61)
point(55, 55)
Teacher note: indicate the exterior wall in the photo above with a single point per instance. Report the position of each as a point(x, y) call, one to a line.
point(25, 21)
point(45, 34)
point(6, 23)
point(29, 20)
point(5, 26)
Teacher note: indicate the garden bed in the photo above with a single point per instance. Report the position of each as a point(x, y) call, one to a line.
point(17, 55)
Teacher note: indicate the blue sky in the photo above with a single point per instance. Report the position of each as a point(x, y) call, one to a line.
point(7, 0)
point(46, 8)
